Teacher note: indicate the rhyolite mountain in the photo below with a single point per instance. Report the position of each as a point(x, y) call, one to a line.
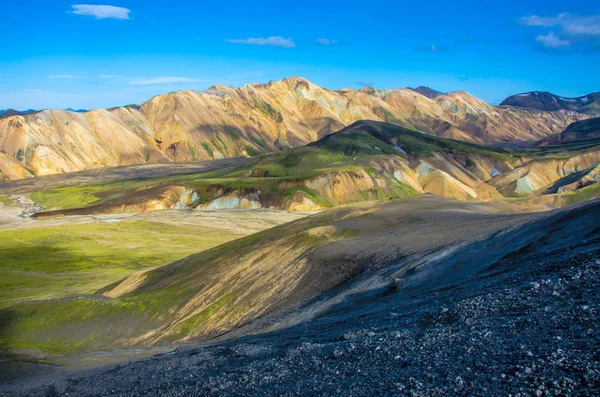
point(365, 161)
point(426, 91)
point(244, 122)
point(545, 101)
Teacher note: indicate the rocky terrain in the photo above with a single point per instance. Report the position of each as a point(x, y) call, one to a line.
point(547, 102)
point(247, 121)
point(508, 305)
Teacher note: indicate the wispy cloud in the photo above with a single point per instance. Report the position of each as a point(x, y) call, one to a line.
point(546, 22)
point(276, 41)
point(568, 30)
point(364, 83)
point(550, 40)
point(324, 41)
point(67, 76)
point(164, 80)
point(101, 11)
point(571, 24)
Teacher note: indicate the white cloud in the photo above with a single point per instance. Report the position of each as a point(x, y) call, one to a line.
point(324, 41)
point(66, 76)
point(276, 41)
point(550, 40)
point(586, 26)
point(164, 80)
point(110, 76)
point(546, 22)
point(101, 11)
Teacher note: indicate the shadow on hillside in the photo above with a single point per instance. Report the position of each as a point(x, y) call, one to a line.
point(37, 259)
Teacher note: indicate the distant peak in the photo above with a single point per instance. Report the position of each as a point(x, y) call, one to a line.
point(368, 90)
point(427, 92)
point(12, 112)
point(295, 79)
point(546, 101)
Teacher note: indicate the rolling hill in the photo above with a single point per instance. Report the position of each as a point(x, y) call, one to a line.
point(273, 273)
point(245, 122)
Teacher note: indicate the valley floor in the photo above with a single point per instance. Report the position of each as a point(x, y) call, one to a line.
point(46, 259)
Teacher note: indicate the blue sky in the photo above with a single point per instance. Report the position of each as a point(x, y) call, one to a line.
point(62, 54)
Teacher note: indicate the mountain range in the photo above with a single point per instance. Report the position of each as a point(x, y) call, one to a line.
point(256, 118)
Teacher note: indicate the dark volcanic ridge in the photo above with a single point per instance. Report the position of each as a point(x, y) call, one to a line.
point(13, 112)
point(545, 101)
point(428, 92)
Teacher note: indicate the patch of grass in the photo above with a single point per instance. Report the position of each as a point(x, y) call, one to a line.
point(388, 115)
point(259, 141)
point(68, 197)
point(233, 132)
point(25, 326)
point(401, 190)
point(199, 318)
point(208, 149)
point(314, 196)
point(346, 233)
point(6, 201)
point(268, 110)
point(584, 194)
point(57, 261)
point(252, 151)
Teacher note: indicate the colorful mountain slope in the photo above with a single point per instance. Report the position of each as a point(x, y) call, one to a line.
point(247, 121)
point(365, 161)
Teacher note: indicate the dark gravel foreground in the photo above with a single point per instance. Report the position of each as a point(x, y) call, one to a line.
point(528, 326)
